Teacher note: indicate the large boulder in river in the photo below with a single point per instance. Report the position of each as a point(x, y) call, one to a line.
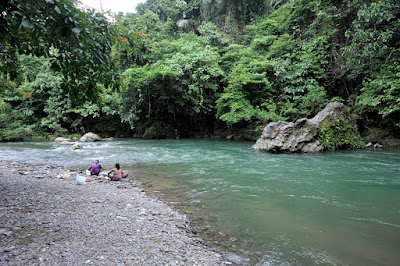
point(90, 137)
point(301, 135)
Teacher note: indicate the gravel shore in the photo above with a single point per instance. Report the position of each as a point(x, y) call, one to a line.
point(47, 219)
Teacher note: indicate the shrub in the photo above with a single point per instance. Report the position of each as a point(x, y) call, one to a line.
point(341, 133)
point(155, 131)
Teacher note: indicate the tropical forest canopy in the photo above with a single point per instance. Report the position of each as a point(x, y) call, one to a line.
point(195, 67)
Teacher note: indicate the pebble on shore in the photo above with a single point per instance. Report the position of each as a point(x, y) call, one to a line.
point(46, 219)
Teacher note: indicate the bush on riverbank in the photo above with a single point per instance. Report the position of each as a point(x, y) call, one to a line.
point(341, 133)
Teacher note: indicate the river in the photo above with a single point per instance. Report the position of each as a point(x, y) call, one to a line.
point(336, 208)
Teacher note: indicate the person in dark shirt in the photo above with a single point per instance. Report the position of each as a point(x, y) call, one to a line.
point(118, 173)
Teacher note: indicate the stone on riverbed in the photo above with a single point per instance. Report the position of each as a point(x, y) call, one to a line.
point(64, 175)
point(90, 137)
point(66, 143)
point(76, 146)
point(61, 140)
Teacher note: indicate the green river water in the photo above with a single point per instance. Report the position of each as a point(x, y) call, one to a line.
point(337, 208)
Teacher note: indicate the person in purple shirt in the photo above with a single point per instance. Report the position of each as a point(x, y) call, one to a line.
point(95, 168)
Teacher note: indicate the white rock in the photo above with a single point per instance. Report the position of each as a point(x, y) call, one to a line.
point(66, 143)
point(76, 146)
point(377, 146)
point(90, 137)
point(61, 139)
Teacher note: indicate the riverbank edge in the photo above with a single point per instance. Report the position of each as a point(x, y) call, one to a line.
point(57, 174)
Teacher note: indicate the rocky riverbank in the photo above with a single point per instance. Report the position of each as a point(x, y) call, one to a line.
point(47, 219)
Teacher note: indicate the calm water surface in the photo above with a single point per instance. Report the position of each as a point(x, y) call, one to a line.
point(340, 208)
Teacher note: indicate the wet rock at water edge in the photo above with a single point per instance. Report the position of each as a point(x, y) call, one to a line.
point(66, 143)
point(90, 137)
point(298, 136)
point(76, 146)
point(378, 146)
point(61, 139)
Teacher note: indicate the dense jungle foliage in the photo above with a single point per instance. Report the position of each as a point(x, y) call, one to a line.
point(199, 68)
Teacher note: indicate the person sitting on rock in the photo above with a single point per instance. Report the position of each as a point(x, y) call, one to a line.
point(95, 168)
point(118, 173)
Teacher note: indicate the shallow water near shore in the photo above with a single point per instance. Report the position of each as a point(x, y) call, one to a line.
point(276, 209)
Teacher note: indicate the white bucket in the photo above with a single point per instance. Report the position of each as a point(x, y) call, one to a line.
point(80, 180)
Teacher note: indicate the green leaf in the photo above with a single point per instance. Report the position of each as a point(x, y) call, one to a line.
point(26, 24)
point(57, 9)
point(77, 30)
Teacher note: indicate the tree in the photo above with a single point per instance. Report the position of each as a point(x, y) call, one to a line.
point(373, 56)
point(179, 89)
point(36, 105)
point(78, 41)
